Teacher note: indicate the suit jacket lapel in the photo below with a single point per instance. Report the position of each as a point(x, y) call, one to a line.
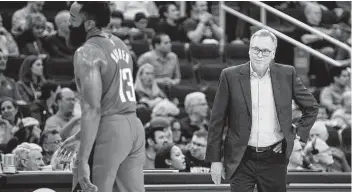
point(246, 86)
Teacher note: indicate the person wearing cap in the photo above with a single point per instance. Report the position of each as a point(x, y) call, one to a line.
point(29, 131)
point(155, 137)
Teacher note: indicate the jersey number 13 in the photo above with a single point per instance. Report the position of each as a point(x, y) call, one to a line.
point(126, 93)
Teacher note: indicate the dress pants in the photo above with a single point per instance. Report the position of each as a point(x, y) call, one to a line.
point(266, 169)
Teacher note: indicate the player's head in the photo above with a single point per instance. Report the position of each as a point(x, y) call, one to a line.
point(86, 16)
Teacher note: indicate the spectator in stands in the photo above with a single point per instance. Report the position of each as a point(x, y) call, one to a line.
point(140, 32)
point(5, 133)
point(63, 120)
point(170, 25)
point(50, 141)
point(28, 132)
point(296, 158)
point(201, 27)
point(115, 26)
point(130, 8)
point(28, 157)
point(322, 113)
point(346, 143)
point(10, 44)
point(345, 112)
point(313, 17)
point(31, 78)
point(319, 154)
point(146, 87)
point(31, 42)
point(8, 87)
point(155, 140)
point(177, 136)
point(319, 130)
point(196, 107)
point(10, 113)
point(165, 62)
point(195, 157)
point(331, 96)
point(45, 106)
point(57, 45)
point(166, 109)
point(163, 122)
point(170, 157)
point(20, 17)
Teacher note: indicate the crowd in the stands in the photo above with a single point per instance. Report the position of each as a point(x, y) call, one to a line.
point(174, 88)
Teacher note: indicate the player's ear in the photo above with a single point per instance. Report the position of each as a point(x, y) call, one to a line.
point(89, 24)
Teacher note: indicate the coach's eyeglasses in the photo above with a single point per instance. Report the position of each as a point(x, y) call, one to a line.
point(265, 52)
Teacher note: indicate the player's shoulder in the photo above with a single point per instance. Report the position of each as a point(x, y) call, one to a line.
point(89, 52)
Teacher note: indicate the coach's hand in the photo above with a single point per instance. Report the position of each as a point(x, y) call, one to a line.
point(83, 178)
point(278, 148)
point(217, 172)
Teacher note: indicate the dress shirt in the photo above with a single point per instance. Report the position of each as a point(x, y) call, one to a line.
point(265, 129)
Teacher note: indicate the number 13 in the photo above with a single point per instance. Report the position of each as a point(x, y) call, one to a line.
point(126, 75)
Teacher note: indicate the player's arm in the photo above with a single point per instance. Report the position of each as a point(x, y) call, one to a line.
point(89, 60)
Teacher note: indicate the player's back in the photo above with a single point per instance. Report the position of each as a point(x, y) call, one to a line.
point(118, 88)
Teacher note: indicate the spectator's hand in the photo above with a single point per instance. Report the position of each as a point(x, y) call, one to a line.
point(337, 153)
point(169, 81)
point(204, 18)
point(217, 172)
point(42, 56)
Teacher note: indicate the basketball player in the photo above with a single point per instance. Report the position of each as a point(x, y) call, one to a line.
point(110, 129)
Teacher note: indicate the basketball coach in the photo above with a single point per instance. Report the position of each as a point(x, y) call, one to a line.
point(254, 101)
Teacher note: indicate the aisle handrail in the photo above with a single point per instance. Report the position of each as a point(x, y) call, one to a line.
point(302, 25)
point(278, 34)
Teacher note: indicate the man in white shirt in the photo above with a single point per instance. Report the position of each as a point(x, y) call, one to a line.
point(254, 101)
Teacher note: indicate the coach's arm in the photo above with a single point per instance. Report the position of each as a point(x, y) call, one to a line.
point(307, 104)
point(217, 120)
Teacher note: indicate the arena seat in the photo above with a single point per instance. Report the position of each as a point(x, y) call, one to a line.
point(205, 54)
point(210, 72)
point(59, 69)
point(236, 54)
point(13, 67)
point(140, 47)
point(181, 90)
point(181, 50)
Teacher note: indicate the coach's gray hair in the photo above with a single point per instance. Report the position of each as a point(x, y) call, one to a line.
point(265, 33)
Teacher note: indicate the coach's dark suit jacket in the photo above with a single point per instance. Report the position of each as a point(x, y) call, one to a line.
point(233, 107)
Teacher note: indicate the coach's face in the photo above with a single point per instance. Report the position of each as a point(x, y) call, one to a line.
point(78, 32)
point(261, 51)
